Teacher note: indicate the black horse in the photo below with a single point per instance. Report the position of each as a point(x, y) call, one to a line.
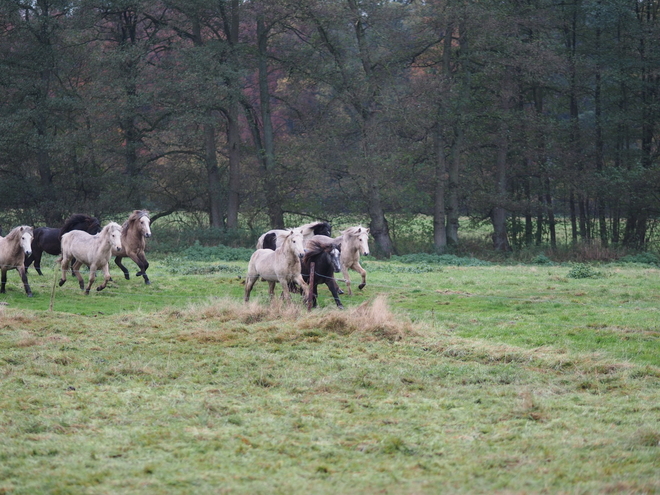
point(47, 239)
point(325, 257)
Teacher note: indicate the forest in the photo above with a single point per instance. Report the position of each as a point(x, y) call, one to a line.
point(511, 113)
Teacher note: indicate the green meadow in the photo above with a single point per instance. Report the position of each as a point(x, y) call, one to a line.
point(444, 375)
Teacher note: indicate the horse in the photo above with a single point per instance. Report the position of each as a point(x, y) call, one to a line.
point(272, 238)
point(280, 265)
point(134, 231)
point(13, 250)
point(47, 239)
point(354, 241)
point(94, 251)
point(325, 257)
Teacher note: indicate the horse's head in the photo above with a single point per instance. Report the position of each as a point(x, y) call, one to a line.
point(145, 225)
point(296, 241)
point(363, 237)
point(26, 240)
point(335, 253)
point(114, 235)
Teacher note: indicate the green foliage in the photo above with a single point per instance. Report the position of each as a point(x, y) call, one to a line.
point(581, 270)
point(645, 258)
point(439, 259)
point(199, 252)
point(542, 259)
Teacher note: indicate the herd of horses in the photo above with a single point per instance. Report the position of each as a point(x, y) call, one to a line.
point(81, 240)
point(288, 255)
point(299, 259)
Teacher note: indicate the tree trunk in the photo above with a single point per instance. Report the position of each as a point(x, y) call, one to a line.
point(271, 190)
point(498, 213)
point(233, 133)
point(213, 177)
point(440, 179)
point(453, 177)
point(379, 228)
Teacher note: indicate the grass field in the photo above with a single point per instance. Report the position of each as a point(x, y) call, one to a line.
point(435, 379)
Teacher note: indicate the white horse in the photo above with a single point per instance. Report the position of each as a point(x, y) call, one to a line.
point(13, 250)
point(273, 238)
point(280, 265)
point(94, 251)
point(354, 241)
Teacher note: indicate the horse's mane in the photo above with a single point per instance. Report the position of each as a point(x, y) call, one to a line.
point(354, 230)
point(17, 232)
point(76, 219)
point(134, 217)
point(315, 247)
point(316, 228)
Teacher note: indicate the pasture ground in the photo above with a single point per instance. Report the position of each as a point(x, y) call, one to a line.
point(460, 379)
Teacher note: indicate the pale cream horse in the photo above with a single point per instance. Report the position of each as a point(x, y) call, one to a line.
point(94, 251)
point(280, 265)
point(354, 242)
point(13, 250)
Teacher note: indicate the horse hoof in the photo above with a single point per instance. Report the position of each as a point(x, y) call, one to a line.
point(39, 272)
point(147, 282)
point(339, 306)
point(29, 294)
point(361, 286)
point(339, 291)
point(62, 282)
point(127, 276)
point(139, 274)
point(87, 292)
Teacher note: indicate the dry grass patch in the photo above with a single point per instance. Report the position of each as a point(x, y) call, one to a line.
point(372, 320)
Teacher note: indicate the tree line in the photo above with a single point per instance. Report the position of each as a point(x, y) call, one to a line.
point(515, 112)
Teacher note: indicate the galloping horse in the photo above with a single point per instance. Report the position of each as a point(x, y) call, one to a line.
point(48, 238)
point(325, 257)
point(133, 234)
point(13, 250)
point(273, 238)
point(354, 241)
point(94, 251)
point(280, 265)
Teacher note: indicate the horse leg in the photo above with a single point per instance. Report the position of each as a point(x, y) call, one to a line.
point(23, 273)
point(347, 279)
point(249, 283)
point(65, 268)
point(362, 272)
point(36, 254)
point(92, 277)
point(106, 278)
point(122, 267)
point(332, 285)
point(75, 269)
point(304, 287)
point(3, 280)
point(271, 289)
point(143, 264)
